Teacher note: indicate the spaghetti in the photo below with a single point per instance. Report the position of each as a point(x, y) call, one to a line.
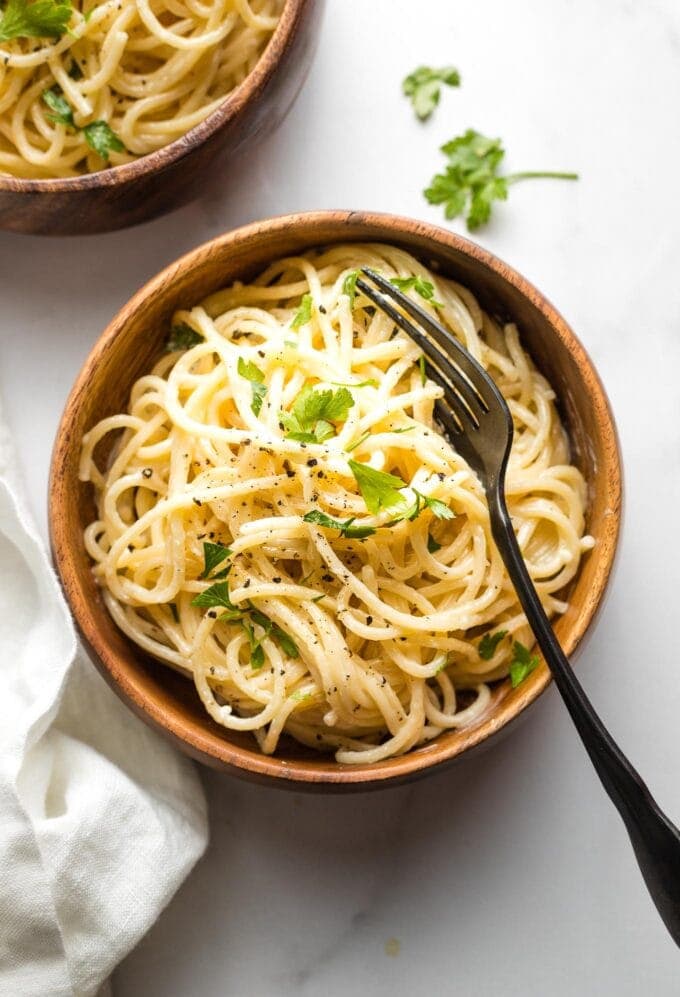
point(281, 519)
point(125, 79)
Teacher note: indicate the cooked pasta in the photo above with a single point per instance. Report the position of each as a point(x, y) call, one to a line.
point(125, 79)
point(280, 517)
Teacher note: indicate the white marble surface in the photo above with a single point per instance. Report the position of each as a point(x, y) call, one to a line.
point(510, 874)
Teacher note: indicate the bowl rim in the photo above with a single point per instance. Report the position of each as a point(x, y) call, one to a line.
point(160, 159)
point(219, 752)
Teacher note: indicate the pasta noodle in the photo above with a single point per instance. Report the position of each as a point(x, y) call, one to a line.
point(361, 638)
point(150, 70)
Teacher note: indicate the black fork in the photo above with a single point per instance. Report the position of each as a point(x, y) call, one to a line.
point(479, 425)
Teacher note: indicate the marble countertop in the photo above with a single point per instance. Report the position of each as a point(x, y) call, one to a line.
point(511, 873)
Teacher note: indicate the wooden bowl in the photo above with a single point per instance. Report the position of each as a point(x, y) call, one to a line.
point(163, 180)
point(134, 340)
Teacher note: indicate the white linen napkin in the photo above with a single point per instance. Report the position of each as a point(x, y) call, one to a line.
point(100, 819)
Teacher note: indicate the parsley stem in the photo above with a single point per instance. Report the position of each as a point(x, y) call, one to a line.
point(540, 175)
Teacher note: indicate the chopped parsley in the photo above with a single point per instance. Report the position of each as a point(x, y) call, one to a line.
point(40, 19)
point(523, 663)
point(425, 288)
point(214, 555)
point(61, 110)
point(470, 182)
point(216, 596)
point(432, 545)
point(346, 529)
point(349, 286)
point(358, 442)
point(182, 337)
point(488, 644)
point(379, 490)
point(423, 87)
point(102, 139)
point(314, 412)
point(303, 315)
point(251, 372)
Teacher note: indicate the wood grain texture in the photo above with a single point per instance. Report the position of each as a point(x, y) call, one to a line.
point(133, 341)
point(179, 172)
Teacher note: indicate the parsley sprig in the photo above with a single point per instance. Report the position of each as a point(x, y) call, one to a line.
point(61, 110)
point(40, 19)
point(470, 182)
point(213, 556)
point(378, 489)
point(425, 288)
point(216, 596)
point(315, 411)
point(251, 372)
point(423, 87)
point(346, 528)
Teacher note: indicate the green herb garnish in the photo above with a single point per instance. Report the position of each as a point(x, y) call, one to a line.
point(62, 112)
point(182, 337)
point(285, 641)
point(470, 183)
point(214, 555)
point(425, 288)
point(40, 19)
point(303, 315)
point(379, 490)
point(102, 139)
point(349, 286)
point(215, 596)
point(423, 86)
point(357, 443)
point(488, 644)
point(346, 529)
point(251, 372)
point(523, 663)
point(432, 545)
point(314, 412)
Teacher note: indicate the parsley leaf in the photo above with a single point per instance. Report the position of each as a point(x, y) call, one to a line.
point(470, 182)
point(349, 286)
point(285, 641)
point(102, 139)
point(379, 490)
point(312, 415)
point(288, 645)
point(423, 86)
point(62, 112)
point(40, 19)
point(432, 545)
point(214, 596)
point(303, 315)
point(346, 529)
point(252, 373)
point(522, 664)
point(213, 555)
point(436, 506)
point(488, 644)
point(182, 337)
point(425, 288)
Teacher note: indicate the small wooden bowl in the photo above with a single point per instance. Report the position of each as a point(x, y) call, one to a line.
point(155, 184)
point(128, 348)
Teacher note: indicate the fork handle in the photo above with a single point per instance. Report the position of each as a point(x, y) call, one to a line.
point(655, 840)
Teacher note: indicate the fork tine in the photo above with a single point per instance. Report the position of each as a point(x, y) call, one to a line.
point(449, 377)
point(475, 375)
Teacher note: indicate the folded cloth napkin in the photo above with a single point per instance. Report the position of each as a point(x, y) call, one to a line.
point(100, 819)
